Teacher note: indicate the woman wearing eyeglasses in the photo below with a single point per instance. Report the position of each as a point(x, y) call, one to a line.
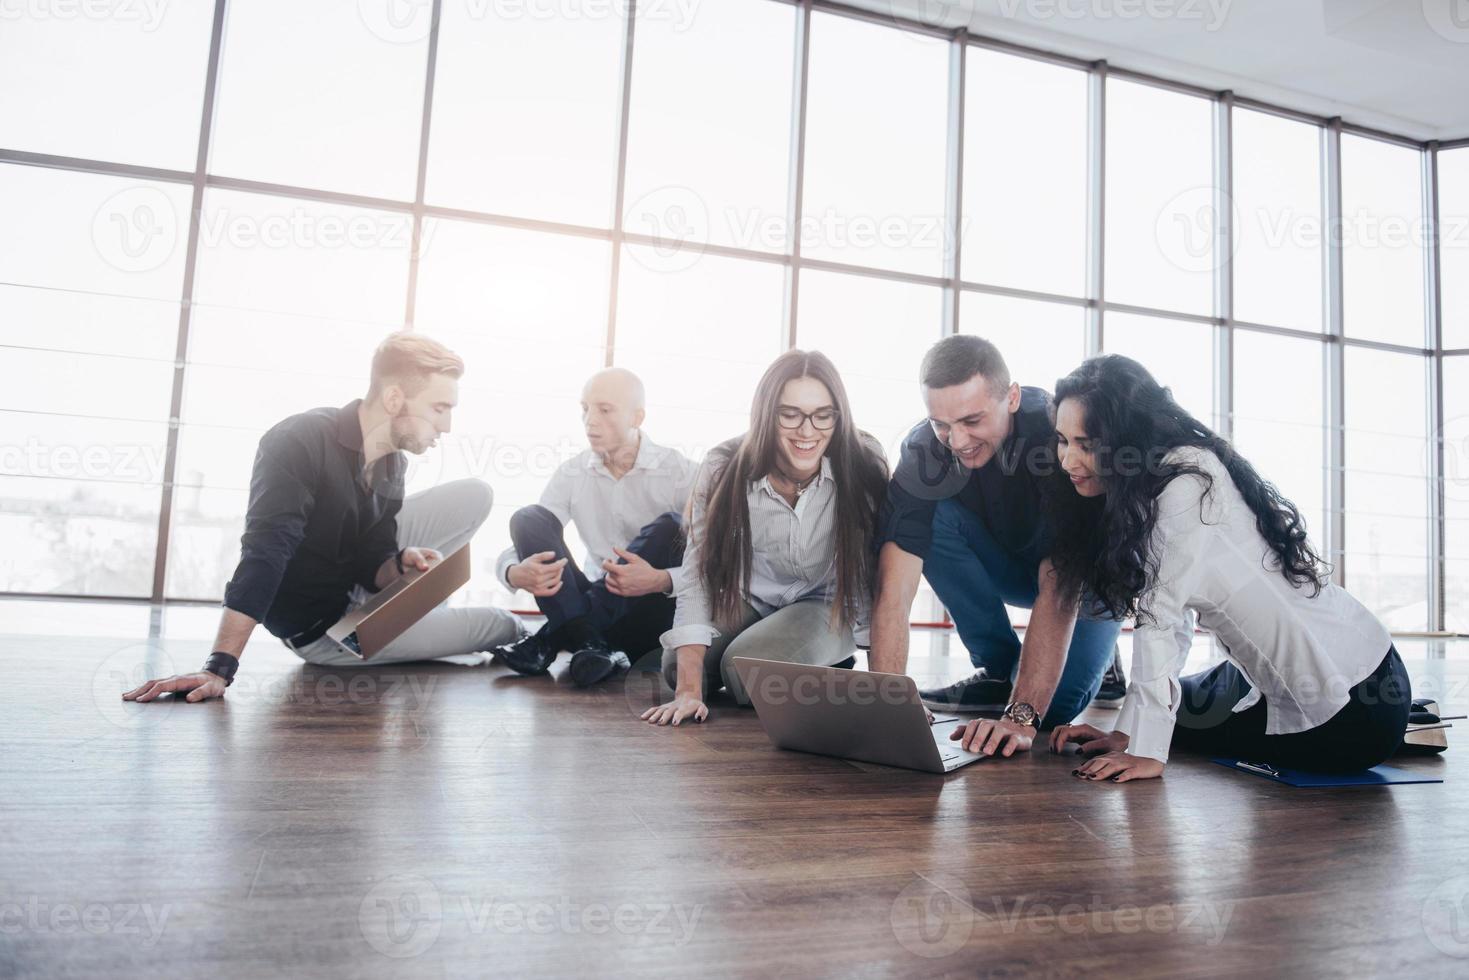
point(779, 559)
point(1162, 519)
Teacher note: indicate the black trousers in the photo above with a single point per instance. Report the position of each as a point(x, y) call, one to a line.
point(1365, 732)
point(630, 625)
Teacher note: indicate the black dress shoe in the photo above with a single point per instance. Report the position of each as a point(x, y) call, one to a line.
point(977, 692)
point(592, 660)
point(529, 655)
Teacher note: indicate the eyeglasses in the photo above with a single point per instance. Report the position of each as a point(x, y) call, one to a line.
point(793, 418)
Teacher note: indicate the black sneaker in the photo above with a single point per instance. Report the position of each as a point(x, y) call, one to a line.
point(977, 692)
point(1114, 685)
point(528, 655)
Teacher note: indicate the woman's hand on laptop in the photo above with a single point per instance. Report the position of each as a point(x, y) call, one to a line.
point(991, 736)
point(681, 708)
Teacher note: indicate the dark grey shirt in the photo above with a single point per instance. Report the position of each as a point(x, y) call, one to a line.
point(316, 525)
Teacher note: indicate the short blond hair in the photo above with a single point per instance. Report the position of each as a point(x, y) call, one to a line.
point(408, 359)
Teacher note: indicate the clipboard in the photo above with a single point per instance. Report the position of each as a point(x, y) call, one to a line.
point(1376, 776)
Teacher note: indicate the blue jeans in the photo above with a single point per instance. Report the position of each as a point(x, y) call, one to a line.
point(974, 578)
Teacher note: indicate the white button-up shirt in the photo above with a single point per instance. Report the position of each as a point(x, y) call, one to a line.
point(609, 511)
point(793, 551)
point(1302, 653)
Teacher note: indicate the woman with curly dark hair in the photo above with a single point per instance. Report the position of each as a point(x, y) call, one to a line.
point(1158, 518)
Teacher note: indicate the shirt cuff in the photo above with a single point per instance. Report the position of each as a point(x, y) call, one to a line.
point(682, 636)
point(507, 558)
point(675, 580)
point(1147, 724)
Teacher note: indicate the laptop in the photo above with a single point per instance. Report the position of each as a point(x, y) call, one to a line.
point(365, 630)
point(850, 714)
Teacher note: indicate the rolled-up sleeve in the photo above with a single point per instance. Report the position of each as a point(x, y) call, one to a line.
point(691, 619)
point(1161, 647)
point(282, 495)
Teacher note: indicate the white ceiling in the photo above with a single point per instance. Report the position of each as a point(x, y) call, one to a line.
point(1396, 65)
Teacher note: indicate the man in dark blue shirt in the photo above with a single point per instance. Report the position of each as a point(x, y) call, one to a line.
point(327, 524)
point(964, 509)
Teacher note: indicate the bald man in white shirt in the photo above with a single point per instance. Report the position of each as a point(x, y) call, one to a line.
point(626, 495)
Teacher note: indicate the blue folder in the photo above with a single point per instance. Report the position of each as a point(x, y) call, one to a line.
point(1376, 776)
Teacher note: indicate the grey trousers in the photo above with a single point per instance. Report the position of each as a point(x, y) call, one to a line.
point(442, 518)
point(800, 633)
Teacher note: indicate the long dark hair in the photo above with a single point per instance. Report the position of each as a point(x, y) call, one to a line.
point(1104, 544)
point(860, 475)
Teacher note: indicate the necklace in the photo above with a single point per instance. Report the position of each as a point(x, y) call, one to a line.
point(799, 487)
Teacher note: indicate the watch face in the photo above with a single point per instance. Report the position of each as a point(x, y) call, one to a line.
point(1022, 713)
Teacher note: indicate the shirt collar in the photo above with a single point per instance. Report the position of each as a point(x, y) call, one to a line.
point(649, 455)
point(349, 426)
point(385, 471)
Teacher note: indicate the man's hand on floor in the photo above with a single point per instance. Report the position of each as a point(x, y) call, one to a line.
point(199, 686)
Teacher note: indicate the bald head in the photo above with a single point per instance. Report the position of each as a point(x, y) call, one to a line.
point(612, 408)
point(616, 385)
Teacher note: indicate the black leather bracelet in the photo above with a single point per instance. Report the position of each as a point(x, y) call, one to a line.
point(223, 665)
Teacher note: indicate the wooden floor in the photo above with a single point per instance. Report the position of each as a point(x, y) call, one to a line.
point(445, 821)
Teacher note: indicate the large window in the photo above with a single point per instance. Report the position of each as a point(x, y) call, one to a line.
point(91, 271)
point(525, 111)
point(310, 94)
point(1386, 554)
point(875, 141)
point(1279, 233)
point(1456, 492)
point(714, 126)
point(127, 87)
point(1025, 127)
point(1160, 201)
point(1453, 215)
point(709, 142)
point(1382, 235)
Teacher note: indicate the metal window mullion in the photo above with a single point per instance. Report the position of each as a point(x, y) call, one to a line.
point(1096, 167)
point(796, 174)
point(186, 296)
point(1224, 264)
point(954, 185)
point(620, 186)
point(1433, 305)
point(430, 70)
point(1334, 354)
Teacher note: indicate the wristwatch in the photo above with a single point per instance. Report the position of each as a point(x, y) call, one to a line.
point(1022, 713)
